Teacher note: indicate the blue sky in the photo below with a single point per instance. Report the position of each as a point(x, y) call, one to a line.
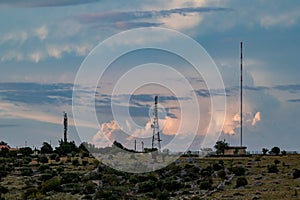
point(43, 43)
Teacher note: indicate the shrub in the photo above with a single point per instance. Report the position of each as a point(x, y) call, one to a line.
point(162, 195)
point(26, 171)
point(172, 185)
point(272, 169)
point(217, 167)
point(43, 168)
point(147, 186)
point(283, 152)
point(43, 159)
point(241, 182)
point(30, 193)
point(70, 178)
point(222, 174)
point(276, 162)
point(45, 177)
point(85, 163)
point(50, 185)
point(60, 169)
point(27, 160)
point(75, 162)
point(239, 171)
point(206, 185)
point(89, 188)
point(296, 173)
point(53, 156)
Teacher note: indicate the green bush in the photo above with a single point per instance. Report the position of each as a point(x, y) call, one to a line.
point(89, 188)
point(272, 169)
point(75, 162)
point(70, 178)
point(43, 168)
point(217, 167)
point(296, 173)
point(85, 163)
point(239, 171)
point(162, 195)
point(50, 185)
point(276, 162)
point(172, 185)
point(43, 159)
point(206, 185)
point(60, 169)
point(241, 182)
point(147, 186)
point(53, 156)
point(26, 171)
point(27, 160)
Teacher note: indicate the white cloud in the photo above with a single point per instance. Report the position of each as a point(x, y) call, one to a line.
point(42, 32)
point(12, 55)
point(286, 19)
point(256, 118)
point(35, 57)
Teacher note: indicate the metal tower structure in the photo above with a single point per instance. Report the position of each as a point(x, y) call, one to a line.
point(241, 109)
point(65, 127)
point(155, 126)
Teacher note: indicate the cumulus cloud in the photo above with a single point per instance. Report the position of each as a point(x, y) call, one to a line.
point(42, 32)
point(256, 118)
point(105, 137)
point(35, 57)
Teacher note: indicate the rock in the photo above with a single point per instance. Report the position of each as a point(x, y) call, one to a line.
point(257, 183)
point(258, 177)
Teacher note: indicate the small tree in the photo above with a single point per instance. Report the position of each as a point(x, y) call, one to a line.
point(220, 146)
point(275, 150)
point(25, 151)
point(283, 153)
point(265, 151)
point(46, 148)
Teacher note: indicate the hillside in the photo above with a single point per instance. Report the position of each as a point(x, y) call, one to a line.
point(83, 177)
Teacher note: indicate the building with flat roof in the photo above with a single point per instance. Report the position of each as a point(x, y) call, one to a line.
point(235, 150)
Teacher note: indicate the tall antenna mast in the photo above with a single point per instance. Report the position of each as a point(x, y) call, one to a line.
point(65, 127)
point(241, 114)
point(156, 137)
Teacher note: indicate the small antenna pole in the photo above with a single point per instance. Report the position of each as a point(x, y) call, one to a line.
point(241, 109)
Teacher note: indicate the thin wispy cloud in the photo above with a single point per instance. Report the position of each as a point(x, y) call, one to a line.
point(43, 3)
point(127, 18)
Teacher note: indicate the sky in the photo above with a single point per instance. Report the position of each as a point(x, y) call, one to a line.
point(44, 45)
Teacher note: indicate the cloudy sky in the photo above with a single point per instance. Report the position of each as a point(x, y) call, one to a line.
point(43, 44)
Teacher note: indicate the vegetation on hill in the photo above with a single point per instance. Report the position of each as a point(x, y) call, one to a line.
point(69, 172)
